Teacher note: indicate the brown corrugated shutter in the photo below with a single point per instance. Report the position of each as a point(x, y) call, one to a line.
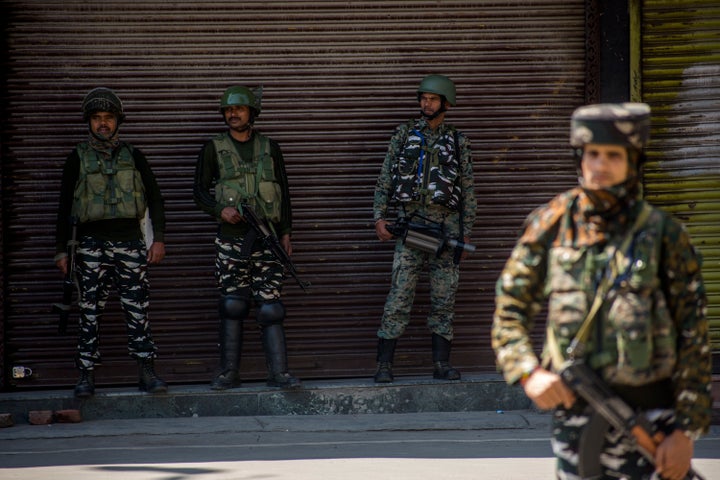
point(338, 77)
point(681, 82)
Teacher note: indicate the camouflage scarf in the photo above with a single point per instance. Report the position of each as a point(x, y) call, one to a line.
point(104, 145)
point(582, 217)
point(603, 213)
point(607, 211)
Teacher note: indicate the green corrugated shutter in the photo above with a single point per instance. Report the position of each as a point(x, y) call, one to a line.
point(681, 81)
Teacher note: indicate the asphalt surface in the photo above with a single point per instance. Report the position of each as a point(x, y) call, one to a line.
point(434, 446)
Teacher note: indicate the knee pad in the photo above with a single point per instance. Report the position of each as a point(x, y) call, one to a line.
point(234, 307)
point(271, 313)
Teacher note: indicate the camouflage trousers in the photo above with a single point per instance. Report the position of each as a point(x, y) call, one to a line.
point(256, 274)
point(100, 266)
point(443, 275)
point(618, 458)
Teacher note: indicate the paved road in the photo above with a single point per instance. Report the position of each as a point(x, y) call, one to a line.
point(433, 446)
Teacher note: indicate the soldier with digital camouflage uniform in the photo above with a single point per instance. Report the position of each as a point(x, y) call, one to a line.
point(648, 339)
point(107, 185)
point(244, 166)
point(427, 176)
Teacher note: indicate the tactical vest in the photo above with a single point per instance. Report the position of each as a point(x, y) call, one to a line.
point(428, 173)
point(633, 339)
point(107, 189)
point(250, 182)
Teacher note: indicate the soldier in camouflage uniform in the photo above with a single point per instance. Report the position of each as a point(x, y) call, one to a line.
point(649, 338)
point(245, 167)
point(107, 185)
point(428, 172)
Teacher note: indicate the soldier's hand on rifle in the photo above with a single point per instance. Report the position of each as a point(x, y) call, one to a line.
point(156, 252)
point(62, 264)
point(285, 242)
point(673, 455)
point(231, 215)
point(381, 231)
point(547, 390)
point(465, 253)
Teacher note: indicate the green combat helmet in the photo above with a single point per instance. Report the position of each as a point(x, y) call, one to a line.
point(102, 99)
point(439, 85)
point(625, 124)
point(242, 96)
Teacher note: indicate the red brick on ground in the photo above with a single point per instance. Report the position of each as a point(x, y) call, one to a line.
point(40, 417)
point(6, 420)
point(68, 416)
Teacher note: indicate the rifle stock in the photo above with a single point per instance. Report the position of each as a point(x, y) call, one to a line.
point(69, 285)
point(586, 384)
point(266, 234)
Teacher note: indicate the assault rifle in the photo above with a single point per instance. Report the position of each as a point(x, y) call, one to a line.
point(267, 235)
point(609, 411)
point(69, 282)
point(428, 237)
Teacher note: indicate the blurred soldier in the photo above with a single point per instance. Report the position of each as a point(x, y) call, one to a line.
point(428, 172)
point(245, 167)
point(647, 338)
point(107, 185)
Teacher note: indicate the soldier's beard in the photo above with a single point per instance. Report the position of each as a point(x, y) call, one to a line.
point(243, 128)
point(104, 138)
point(434, 115)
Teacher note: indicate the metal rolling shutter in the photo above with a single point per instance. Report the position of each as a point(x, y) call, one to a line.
point(681, 82)
point(338, 77)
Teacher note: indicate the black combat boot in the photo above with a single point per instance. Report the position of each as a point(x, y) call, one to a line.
point(385, 354)
point(85, 387)
point(273, 339)
point(441, 356)
point(148, 381)
point(230, 342)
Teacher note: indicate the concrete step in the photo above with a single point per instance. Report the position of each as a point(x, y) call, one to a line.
point(482, 392)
